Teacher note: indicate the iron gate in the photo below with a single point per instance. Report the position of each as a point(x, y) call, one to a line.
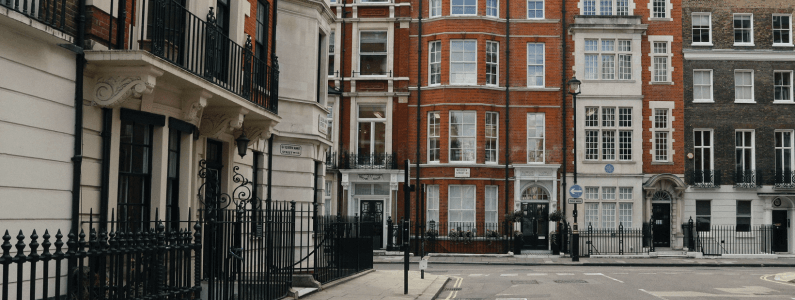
point(248, 242)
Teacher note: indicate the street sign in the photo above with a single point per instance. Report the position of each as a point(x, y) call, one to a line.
point(575, 200)
point(575, 191)
point(424, 263)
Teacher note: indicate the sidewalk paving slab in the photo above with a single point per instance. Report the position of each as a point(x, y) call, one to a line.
point(382, 285)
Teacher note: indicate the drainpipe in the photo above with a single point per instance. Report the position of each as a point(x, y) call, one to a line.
point(107, 127)
point(273, 36)
point(507, 101)
point(419, 116)
point(340, 192)
point(77, 159)
point(563, 105)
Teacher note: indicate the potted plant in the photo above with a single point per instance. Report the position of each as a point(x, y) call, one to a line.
point(556, 216)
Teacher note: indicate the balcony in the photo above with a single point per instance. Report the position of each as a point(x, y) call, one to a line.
point(53, 13)
point(349, 161)
point(747, 179)
point(703, 178)
point(784, 179)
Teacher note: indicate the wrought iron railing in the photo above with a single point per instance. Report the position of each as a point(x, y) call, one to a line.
point(52, 13)
point(460, 237)
point(616, 241)
point(784, 179)
point(747, 179)
point(728, 239)
point(367, 161)
point(703, 178)
point(331, 160)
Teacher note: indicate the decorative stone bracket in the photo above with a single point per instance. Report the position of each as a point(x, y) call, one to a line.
point(255, 130)
point(217, 122)
point(193, 104)
point(114, 88)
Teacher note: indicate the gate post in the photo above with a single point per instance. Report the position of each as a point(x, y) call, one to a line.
point(589, 242)
point(389, 235)
point(292, 241)
point(160, 246)
point(651, 234)
point(620, 238)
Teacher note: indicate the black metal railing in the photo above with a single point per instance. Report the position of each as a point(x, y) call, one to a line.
point(783, 179)
point(613, 241)
point(173, 33)
point(331, 160)
point(153, 262)
point(344, 247)
point(52, 13)
point(747, 179)
point(368, 161)
point(461, 237)
point(728, 239)
point(703, 178)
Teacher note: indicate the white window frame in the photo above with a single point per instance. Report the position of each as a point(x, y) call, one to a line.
point(708, 216)
point(385, 53)
point(591, 215)
point(463, 62)
point(434, 132)
point(738, 100)
point(435, 9)
point(782, 148)
point(534, 64)
point(491, 191)
point(450, 201)
point(496, 118)
point(750, 30)
point(599, 215)
point(612, 11)
point(789, 31)
point(432, 204)
point(616, 128)
point(434, 58)
point(450, 138)
point(332, 53)
point(709, 29)
point(621, 52)
point(661, 128)
point(542, 138)
point(704, 148)
point(752, 147)
point(496, 9)
point(625, 212)
point(666, 11)
point(543, 9)
point(464, 8)
point(495, 63)
point(667, 56)
point(372, 122)
point(711, 95)
point(787, 86)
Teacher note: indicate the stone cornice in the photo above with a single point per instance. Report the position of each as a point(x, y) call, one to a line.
point(321, 6)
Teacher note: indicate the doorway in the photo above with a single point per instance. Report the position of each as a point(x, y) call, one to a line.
point(535, 226)
point(372, 212)
point(661, 216)
point(780, 229)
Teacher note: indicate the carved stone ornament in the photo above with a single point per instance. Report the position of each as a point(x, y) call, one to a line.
point(193, 103)
point(215, 123)
point(369, 177)
point(255, 130)
point(112, 91)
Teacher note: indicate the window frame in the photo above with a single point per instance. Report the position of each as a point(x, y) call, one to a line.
point(464, 62)
point(618, 55)
point(789, 85)
point(437, 116)
point(496, 9)
point(598, 11)
point(495, 192)
point(707, 216)
point(660, 55)
point(429, 196)
point(699, 150)
point(656, 130)
point(542, 138)
point(791, 147)
point(449, 203)
point(432, 60)
point(738, 100)
point(144, 173)
point(709, 29)
point(372, 121)
point(750, 30)
point(711, 89)
point(495, 64)
point(748, 216)
point(666, 8)
point(743, 147)
point(385, 53)
point(434, 6)
point(450, 137)
point(789, 31)
point(463, 7)
point(617, 127)
point(496, 118)
point(542, 65)
point(543, 9)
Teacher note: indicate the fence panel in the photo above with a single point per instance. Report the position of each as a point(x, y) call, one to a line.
point(728, 239)
point(462, 237)
point(613, 241)
point(341, 248)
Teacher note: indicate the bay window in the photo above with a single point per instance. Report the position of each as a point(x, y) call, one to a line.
point(535, 64)
point(492, 140)
point(434, 127)
point(463, 62)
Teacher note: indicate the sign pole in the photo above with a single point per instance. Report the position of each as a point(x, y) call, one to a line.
point(407, 189)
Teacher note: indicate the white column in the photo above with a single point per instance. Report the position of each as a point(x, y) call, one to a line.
point(159, 172)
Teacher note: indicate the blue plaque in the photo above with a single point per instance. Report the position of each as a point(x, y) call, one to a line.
point(609, 168)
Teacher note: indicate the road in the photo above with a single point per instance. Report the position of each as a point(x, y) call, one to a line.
point(485, 282)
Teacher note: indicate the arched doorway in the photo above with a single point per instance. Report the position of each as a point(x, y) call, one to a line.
point(535, 218)
point(661, 216)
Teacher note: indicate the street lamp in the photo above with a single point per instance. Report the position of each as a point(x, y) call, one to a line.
point(574, 90)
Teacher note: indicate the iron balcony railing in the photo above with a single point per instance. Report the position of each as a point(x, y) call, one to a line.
point(50, 12)
point(173, 33)
point(784, 179)
point(747, 179)
point(331, 160)
point(703, 178)
point(367, 161)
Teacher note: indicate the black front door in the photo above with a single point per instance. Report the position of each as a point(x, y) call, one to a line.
point(372, 212)
point(535, 225)
point(661, 215)
point(780, 228)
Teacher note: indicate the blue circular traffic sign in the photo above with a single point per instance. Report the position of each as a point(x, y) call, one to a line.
point(575, 191)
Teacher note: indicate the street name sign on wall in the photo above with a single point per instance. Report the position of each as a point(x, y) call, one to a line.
point(290, 150)
point(462, 172)
point(575, 191)
point(322, 124)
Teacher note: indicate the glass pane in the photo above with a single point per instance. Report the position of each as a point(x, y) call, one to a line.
point(380, 137)
point(365, 130)
point(372, 111)
point(702, 207)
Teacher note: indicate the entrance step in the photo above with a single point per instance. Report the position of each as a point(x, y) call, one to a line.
point(670, 253)
point(536, 252)
point(389, 253)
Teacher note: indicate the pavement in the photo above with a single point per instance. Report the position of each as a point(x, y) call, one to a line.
point(381, 285)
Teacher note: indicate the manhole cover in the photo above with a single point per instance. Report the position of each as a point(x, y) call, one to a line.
point(524, 282)
point(452, 289)
point(571, 281)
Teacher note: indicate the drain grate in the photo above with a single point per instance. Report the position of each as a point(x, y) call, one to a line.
point(524, 282)
point(452, 289)
point(571, 281)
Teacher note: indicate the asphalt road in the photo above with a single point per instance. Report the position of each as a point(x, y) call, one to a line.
point(484, 282)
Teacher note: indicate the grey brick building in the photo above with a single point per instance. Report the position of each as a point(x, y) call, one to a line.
point(738, 75)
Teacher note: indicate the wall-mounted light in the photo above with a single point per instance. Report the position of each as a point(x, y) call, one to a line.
point(242, 144)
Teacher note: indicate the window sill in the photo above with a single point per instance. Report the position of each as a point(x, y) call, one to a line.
point(607, 81)
point(744, 44)
point(784, 45)
point(744, 101)
point(661, 19)
point(703, 101)
point(701, 44)
point(661, 82)
point(783, 102)
point(670, 163)
point(599, 162)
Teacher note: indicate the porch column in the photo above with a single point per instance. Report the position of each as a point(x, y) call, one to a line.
point(768, 215)
point(790, 231)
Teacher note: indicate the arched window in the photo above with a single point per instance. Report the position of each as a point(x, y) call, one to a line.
point(535, 193)
point(661, 195)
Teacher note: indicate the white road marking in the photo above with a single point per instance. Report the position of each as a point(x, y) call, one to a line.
point(475, 275)
point(600, 274)
point(537, 274)
point(453, 294)
point(647, 273)
point(509, 275)
point(642, 290)
point(565, 274)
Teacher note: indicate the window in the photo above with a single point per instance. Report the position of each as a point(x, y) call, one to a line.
point(784, 156)
point(591, 214)
point(614, 209)
point(434, 127)
point(432, 198)
point(463, 62)
point(702, 28)
point(606, 7)
point(661, 134)
point(608, 193)
point(743, 215)
point(535, 9)
point(625, 214)
point(658, 9)
point(436, 8)
point(601, 57)
point(535, 193)
point(462, 136)
point(372, 53)
point(491, 207)
point(744, 151)
point(660, 56)
point(535, 137)
point(592, 192)
point(535, 64)
point(608, 215)
point(782, 86)
point(461, 205)
point(703, 215)
point(331, 54)
point(703, 155)
point(464, 7)
point(602, 137)
point(372, 129)
point(330, 120)
point(492, 62)
point(135, 177)
point(743, 29)
point(492, 136)
point(435, 62)
point(744, 86)
point(702, 86)
point(491, 8)
point(782, 30)
point(261, 46)
point(172, 178)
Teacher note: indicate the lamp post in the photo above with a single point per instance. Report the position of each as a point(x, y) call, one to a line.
point(574, 90)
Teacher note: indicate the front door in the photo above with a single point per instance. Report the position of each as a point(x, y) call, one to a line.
point(535, 225)
point(780, 228)
point(372, 212)
point(661, 215)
